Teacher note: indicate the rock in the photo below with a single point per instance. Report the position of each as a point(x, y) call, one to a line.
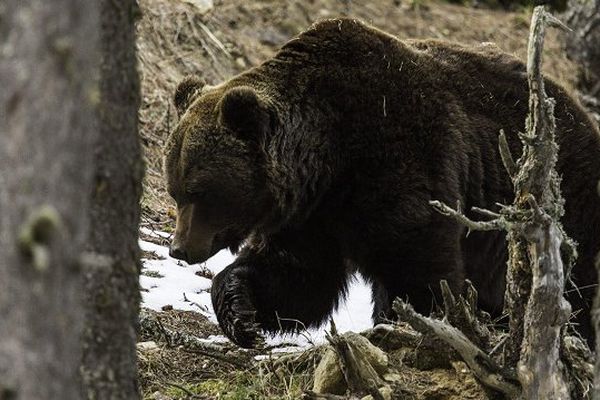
point(374, 355)
point(385, 391)
point(147, 347)
point(328, 375)
point(241, 63)
point(202, 6)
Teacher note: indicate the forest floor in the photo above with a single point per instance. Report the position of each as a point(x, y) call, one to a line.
point(176, 300)
point(177, 38)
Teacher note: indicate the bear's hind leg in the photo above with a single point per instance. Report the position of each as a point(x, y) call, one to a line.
point(382, 304)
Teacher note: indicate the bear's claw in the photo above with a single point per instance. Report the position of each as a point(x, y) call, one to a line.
point(235, 310)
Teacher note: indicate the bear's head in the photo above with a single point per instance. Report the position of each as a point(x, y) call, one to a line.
point(215, 167)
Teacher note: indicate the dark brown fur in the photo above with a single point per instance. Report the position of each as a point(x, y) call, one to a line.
point(326, 156)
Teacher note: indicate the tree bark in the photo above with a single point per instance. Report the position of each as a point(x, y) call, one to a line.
point(48, 65)
point(540, 369)
point(109, 368)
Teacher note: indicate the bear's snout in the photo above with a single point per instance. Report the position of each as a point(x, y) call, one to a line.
point(177, 252)
point(193, 241)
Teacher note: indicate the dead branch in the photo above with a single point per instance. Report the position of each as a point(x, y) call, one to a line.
point(483, 367)
point(462, 313)
point(494, 225)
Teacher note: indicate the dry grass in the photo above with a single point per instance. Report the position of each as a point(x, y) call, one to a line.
point(165, 365)
point(179, 374)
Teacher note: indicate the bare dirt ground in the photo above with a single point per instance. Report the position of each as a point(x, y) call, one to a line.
point(175, 39)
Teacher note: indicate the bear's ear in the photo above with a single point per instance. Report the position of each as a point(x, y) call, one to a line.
point(243, 111)
point(186, 91)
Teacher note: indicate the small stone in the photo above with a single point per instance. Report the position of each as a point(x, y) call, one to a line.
point(241, 63)
point(147, 347)
point(385, 391)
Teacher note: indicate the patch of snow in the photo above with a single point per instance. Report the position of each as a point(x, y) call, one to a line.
point(180, 287)
point(158, 234)
point(202, 6)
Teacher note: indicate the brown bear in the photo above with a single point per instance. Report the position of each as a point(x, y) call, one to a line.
point(322, 161)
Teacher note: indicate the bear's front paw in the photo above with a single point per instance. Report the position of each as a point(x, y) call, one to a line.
point(232, 301)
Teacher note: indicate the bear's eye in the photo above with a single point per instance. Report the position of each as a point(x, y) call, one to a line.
point(194, 192)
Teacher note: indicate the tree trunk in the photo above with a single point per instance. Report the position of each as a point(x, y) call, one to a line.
point(583, 47)
point(112, 271)
point(48, 65)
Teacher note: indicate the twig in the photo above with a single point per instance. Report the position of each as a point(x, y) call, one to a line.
point(494, 225)
point(535, 279)
point(214, 39)
point(156, 330)
point(222, 357)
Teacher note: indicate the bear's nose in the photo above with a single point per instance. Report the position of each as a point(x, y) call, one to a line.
point(177, 252)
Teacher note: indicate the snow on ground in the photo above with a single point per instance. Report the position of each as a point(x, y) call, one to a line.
point(172, 282)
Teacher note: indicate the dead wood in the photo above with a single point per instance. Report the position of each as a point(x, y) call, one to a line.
point(462, 313)
point(534, 297)
point(482, 365)
point(359, 374)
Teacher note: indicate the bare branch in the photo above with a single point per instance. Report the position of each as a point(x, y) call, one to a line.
point(484, 368)
point(494, 225)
